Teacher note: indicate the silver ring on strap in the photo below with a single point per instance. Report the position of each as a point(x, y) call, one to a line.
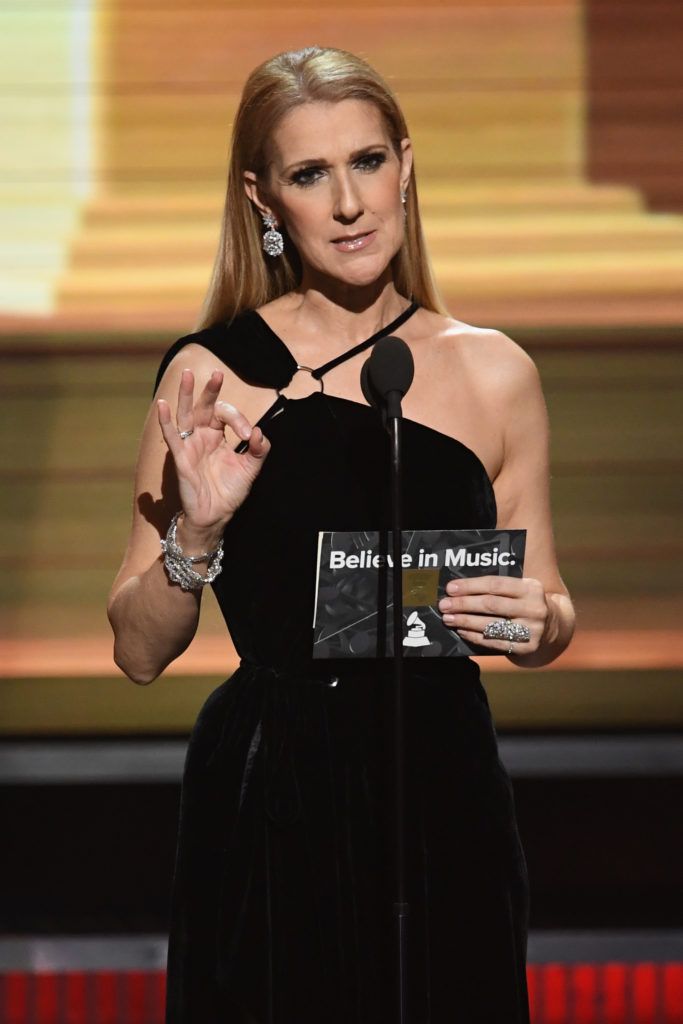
point(308, 369)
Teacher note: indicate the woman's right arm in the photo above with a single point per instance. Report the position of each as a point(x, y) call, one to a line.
point(153, 619)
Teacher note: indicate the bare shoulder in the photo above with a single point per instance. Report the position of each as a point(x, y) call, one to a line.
point(487, 355)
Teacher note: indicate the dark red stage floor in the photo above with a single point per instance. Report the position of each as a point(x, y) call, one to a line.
point(610, 993)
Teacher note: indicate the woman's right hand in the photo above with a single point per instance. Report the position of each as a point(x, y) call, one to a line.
point(213, 480)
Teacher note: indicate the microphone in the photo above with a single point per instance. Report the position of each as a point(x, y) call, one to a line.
point(387, 375)
point(385, 379)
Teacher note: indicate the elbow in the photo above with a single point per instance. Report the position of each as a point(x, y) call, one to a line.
point(138, 670)
point(143, 675)
point(140, 653)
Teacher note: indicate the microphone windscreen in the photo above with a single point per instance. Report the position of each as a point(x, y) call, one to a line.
point(390, 367)
point(369, 393)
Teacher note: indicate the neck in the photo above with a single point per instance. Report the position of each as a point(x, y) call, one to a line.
point(346, 312)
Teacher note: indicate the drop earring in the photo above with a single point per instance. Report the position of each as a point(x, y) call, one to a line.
point(404, 196)
point(273, 242)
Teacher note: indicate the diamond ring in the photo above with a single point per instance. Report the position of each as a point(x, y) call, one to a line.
point(504, 629)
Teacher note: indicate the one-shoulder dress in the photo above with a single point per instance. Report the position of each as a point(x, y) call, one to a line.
point(281, 909)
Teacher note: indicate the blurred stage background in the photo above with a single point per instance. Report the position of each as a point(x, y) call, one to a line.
point(549, 154)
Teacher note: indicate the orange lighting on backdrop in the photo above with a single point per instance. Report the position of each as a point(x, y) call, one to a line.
point(117, 120)
point(117, 187)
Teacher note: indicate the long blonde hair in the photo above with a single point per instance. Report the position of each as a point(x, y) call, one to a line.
point(243, 278)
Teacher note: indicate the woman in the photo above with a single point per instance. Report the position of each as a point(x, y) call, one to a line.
point(282, 896)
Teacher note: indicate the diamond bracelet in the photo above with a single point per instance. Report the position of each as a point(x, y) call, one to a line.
point(179, 566)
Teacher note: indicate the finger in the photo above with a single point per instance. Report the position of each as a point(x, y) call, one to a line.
point(258, 446)
point(472, 637)
point(471, 623)
point(225, 414)
point(489, 605)
point(168, 427)
point(504, 586)
point(184, 413)
point(204, 408)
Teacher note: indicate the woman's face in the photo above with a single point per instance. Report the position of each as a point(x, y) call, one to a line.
point(335, 184)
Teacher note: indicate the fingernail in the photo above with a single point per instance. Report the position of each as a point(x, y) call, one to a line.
point(452, 588)
point(245, 432)
point(444, 605)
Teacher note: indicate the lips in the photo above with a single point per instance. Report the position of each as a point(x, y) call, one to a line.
point(351, 243)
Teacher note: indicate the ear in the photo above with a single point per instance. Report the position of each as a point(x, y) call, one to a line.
point(406, 163)
point(255, 193)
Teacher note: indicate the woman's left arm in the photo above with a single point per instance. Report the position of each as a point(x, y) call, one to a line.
point(540, 600)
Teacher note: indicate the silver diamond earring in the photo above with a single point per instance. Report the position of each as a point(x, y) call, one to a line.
point(273, 242)
point(404, 196)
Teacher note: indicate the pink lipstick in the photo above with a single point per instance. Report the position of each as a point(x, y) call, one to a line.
point(354, 242)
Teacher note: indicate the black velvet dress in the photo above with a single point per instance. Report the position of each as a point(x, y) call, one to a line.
point(282, 893)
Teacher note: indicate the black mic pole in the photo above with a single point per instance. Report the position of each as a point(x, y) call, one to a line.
point(386, 377)
point(401, 907)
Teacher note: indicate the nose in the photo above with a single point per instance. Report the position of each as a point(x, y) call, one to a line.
point(348, 203)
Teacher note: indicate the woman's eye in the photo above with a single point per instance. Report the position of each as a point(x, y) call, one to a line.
point(371, 161)
point(306, 176)
point(309, 175)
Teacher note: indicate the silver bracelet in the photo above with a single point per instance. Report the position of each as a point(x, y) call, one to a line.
point(179, 566)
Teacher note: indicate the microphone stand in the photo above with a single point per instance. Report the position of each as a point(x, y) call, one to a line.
point(401, 906)
point(385, 379)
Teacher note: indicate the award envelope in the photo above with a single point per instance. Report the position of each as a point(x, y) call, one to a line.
point(353, 615)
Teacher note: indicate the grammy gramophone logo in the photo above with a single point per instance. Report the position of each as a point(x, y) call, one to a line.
point(417, 632)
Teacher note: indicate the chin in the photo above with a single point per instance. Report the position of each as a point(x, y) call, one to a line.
point(363, 273)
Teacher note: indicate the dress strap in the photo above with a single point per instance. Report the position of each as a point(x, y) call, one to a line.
point(281, 401)
point(252, 349)
point(394, 325)
point(247, 345)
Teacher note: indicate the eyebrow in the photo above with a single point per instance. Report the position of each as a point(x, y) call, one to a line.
point(321, 162)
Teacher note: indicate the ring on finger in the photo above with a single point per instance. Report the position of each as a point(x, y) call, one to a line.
point(520, 632)
point(504, 629)
point(185, 433)
point(498, 629)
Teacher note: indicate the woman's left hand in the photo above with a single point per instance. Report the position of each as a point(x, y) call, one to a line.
point(473, 603)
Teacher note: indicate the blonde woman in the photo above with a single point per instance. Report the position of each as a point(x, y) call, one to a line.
point(282, 890)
